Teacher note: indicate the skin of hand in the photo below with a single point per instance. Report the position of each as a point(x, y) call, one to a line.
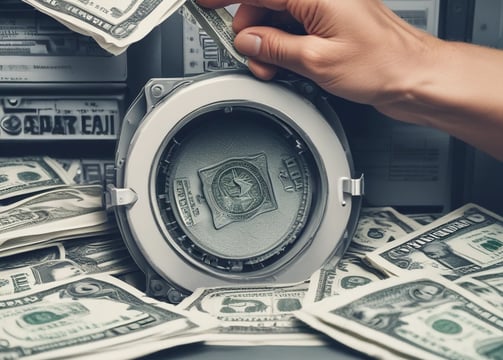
point(342, 50)
point(361, 51)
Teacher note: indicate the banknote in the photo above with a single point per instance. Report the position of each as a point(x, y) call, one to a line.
point(348, 273)
point(373, 350)
point(147, 347)
point(114, 24)
point(254, 315)
point(33, 254)
point(58, 261)
point(27, 243)
point(488, 285)
point(415, 317)
point(378, 226)
point(100, 254)
point(24, 175)
point(86, 315)
point(424, 218)
point(466, 241)
point(218, 24)
point(56, 213)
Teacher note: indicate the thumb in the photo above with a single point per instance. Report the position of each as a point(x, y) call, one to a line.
point(272, 46)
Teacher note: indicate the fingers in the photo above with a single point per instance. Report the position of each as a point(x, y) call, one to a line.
point(262, 70)
point(248, 15)
point(213, 4)
point(268, 4)
point(269, 47)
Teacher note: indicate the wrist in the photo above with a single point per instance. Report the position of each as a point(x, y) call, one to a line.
point(414, 84)
point(455, 88)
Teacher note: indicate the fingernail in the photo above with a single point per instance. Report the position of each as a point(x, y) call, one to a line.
point(248, 44)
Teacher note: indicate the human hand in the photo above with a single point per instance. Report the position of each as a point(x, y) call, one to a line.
point(361, 51)
point(356, 49)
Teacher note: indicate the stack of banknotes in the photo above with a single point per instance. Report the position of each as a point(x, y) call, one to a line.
point(62, 271)
point(415, 287)
point(420, 286)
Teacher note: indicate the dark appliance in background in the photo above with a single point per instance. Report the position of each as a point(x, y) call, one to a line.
point(61, 95)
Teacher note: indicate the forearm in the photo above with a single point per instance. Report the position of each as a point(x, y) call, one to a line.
point(377, 58)
point(458, 89)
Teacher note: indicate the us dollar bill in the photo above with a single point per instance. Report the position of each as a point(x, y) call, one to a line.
point(488, 285)
point(334, 279)
point(33, 254)
point(114, 24)
point(424, 219)
point(463, 242)
point(218, 24)
point(24, 175)
point(89, 315)
point(413, 317)
point(253, 314)
point(27, 243)
point(58, 261)
point(65, 212)
point(100, 254)
point(376, 227)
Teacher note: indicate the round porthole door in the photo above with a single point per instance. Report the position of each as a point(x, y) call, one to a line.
point(224, 179)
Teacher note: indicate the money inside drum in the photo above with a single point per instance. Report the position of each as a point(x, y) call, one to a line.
point(239, 184)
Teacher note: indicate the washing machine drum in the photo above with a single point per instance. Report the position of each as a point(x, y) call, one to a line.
point(222, 179)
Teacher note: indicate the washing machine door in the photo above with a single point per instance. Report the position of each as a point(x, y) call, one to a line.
point(223, 179)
